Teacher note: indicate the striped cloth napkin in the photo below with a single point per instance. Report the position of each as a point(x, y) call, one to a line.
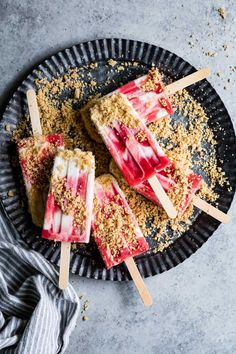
point(35, 316)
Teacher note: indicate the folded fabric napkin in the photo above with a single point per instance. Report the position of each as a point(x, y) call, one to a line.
point(35, 316)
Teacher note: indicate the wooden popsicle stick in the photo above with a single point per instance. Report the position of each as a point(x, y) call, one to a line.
point(163, 197)
point(34, 112)
point(64, 265)
point(65, 246)
point(210, 210)
point(188, 80)
point(138, 281)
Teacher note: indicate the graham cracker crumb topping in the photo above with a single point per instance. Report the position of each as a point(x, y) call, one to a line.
point(114, 108)
point(84, 160)
point(153, 78)
point(38, 164)
point(114, 224)
point(69, 202)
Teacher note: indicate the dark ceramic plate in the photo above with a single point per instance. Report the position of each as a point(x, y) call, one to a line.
point(89, 264)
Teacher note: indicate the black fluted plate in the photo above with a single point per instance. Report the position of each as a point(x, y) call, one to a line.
point(90, 265)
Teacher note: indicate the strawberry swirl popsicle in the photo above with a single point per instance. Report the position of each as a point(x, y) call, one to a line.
point(181, 188)
point(185, 193)
point(133, 147)
point(192, 186)
point(114, 226)
point(69, 205)
point(169, 183)
point(148, 96)
point(36, 155)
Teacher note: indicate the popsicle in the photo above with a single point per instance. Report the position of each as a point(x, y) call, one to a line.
point(133, 147)
point(148, 96)
point(194, 184)
point(69, 207)
point(36, 155)
point(70, 200)
point(167, 181)
point(65, 246)
point(116, 230)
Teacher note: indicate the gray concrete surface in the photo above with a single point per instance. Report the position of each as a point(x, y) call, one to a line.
point(194, 309)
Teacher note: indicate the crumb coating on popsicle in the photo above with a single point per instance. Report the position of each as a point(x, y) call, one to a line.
point(69, 203)
point(114, 107)
point(37, 165)
point(153, 78)
point(84, 160)
point(36, 158)
point(114, 222)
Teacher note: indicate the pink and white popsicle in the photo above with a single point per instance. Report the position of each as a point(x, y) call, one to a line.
point(36, 156)
point(168, 182)
point(127, 240)
point(107, 193)
point(194, 183)
point(75, 169)
point(150, 97)
point(133, 147)
point(151, 103)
